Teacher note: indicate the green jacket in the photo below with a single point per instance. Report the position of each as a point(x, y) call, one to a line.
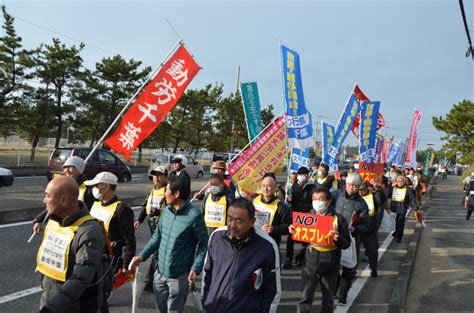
point(176, 238)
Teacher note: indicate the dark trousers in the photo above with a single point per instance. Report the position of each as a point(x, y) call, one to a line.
point(310, 278)
point(371, 244)
point(399, 225)
point(348, 274)
point(469, 212)
point(290, 248)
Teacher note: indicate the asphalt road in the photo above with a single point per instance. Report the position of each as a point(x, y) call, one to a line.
point(443, 276)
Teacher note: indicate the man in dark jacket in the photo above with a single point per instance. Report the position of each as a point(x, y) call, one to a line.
point(241, 271)
point(370, 238)
point(71, 277)
point(179, 163)
point(293, 194)
point(401, 199)
point(73, 167)
point(323, 179)
point(117, 217)
point(271, 213)
point(321, 265)
point(353, 208)
point(216, 202)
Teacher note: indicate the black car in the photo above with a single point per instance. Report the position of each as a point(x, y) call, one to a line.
point(101, 161)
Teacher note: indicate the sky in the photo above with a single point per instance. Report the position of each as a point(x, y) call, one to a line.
point(406, 54)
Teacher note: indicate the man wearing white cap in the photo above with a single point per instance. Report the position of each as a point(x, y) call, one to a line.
point(73, 167)
point(117, 217)
point(179, 162)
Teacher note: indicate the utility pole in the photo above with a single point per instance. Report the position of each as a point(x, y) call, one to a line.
point(233, 126)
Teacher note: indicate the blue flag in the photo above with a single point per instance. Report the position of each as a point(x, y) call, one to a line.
point(299, 158)
point(393, 152)
point(368, 130)
point(342, 130)
point(299, 122)
point(327, 138)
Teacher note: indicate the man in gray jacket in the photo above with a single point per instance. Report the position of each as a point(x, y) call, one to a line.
point(353, 208)
point(70, 255)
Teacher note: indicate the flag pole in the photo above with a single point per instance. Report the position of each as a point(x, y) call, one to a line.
point(152, 73)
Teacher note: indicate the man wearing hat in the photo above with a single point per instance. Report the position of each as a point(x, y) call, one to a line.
point(73, 167)
point(153, 207)
point(220, 167)
point(117, 217)
point(179, 162)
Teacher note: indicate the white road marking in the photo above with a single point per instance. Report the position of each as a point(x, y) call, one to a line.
point(20, 294)
point(360, 282)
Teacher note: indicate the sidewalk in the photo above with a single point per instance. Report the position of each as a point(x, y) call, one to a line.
point(443, 277)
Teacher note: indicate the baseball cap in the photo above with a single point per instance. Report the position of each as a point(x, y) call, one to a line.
point(75, 162)
point(159, 170)
point(104, 178)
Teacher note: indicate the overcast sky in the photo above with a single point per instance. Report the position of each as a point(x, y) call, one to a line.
point(406, 54)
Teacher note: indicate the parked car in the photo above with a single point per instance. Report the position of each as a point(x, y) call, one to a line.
point(193, 168)
point(222, 156)
point(101, 161)
point(6, 177)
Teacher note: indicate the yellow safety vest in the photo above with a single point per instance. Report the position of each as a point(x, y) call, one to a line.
point(104, 213)
point(398, 194)
point(82, 192)
point(369, 199)
point(154, 199)
point(53, 255)
point(325, 248)
point(334, 183)
point(215, 212)
point(264, 212)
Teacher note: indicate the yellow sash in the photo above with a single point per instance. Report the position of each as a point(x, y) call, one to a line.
point(52, 258)
point(334, 182)
point(264, 212)
point(324, 248)
point(82, 192)
point(215, 212)
point(369, 199)
point(104, 213)
point(398, 194)
point(154, 199)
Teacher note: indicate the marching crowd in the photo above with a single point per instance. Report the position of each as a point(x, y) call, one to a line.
point(232, 241)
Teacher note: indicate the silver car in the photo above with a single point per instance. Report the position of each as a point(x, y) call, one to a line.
point(192, 167)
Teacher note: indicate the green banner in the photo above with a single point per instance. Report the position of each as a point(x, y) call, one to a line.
point(427, 161)
point(252, 109)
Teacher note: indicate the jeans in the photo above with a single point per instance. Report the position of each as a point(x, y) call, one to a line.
point(170, 293)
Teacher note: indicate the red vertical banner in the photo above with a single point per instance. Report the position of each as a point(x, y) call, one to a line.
point(154, 102)
point(410, 158)
point(361, 97)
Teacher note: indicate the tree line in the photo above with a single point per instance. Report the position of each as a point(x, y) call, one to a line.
point(46, 90)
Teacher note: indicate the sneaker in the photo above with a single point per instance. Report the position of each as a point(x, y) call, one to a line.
point(342, 300)
point(373, 273)
point(288, 264)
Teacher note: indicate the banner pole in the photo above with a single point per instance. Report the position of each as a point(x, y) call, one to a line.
point(152, 73)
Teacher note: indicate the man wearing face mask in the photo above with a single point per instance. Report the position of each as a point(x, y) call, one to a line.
point(216, 203)
point(325, 180)
point(117, 217)
point(271, 214)
point(73, 167)
point(353, 208)
point(321, 265)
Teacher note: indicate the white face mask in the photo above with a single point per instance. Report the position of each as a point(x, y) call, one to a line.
point(320, 174)
point(214, 190)
point(319, 206)
point(301, 179)
point(96, 193)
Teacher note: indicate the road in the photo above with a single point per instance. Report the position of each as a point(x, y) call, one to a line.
point(442, 263)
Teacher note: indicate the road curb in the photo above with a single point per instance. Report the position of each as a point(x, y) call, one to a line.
point(28, 214)
point(399, 294)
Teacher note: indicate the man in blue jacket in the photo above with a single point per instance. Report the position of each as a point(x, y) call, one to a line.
point(181, 240)
point(241, 270)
